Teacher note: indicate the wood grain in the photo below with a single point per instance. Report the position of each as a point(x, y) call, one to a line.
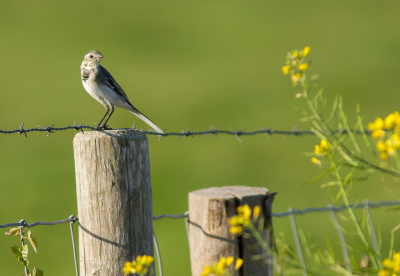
point(209, 237)
point(114, 199)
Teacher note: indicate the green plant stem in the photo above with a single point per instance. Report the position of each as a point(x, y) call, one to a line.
point(329, 131)
point(349, 210)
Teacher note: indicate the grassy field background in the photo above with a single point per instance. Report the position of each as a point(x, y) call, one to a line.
point(185, 63)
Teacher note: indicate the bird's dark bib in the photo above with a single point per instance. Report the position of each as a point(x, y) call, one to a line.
point(85, 75)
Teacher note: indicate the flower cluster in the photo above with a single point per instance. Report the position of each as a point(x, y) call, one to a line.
point(391, 266)
point(243, 218)
point(296, 65)
point(323, 147)
point(140, 266)
point(388, 128)
point(220, 268)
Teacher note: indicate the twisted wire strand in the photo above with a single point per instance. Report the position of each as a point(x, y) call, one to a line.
point(184, 133)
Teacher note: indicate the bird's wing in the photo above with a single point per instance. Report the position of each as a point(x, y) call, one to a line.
point(105, 76)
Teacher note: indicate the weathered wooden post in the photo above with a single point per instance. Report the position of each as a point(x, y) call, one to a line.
point(209, 236)
point(114, 199)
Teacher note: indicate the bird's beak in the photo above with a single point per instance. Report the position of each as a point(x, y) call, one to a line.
point(101, 56)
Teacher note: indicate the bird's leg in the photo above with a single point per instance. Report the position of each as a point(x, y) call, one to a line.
point(99, 124)
point(109, 115)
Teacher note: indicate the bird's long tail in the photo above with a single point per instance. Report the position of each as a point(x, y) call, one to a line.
point(138, 114)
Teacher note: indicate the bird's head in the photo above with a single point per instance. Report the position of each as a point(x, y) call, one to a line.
point(93, 58)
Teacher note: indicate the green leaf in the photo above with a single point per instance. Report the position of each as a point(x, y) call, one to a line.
point(13, 231)
point(347, 158)
point(32, 240)
point(24, 251)
point(346, 126)
point(37, 272)
point(21, 254)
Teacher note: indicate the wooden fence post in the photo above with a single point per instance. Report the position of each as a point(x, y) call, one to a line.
point(114, 200)
point(209, 236)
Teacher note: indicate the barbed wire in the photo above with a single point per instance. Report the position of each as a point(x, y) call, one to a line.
point(294, 211)
point(184, 133)
point(22, 224)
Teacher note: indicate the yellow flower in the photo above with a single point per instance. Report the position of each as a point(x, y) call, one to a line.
point(138, 259)
point(390, 150)
point(303, 67)
point(207, 270)
point(381, 146)
point(127, 268)
point(324, 145)
point(387, 263)
point(389, 121)
point(256, 211)
point(384, 272)
point(238, 263)
point(246, 212)
point(150, 260)
point(285, 69)
point(295, 77)
point(298, 95)
point(396, 268)
point(139, 267)
point(233, 221)
point(371, 126)
point(236, 230)
point(295, 55)
point(384, 155)
point(221, 264)
point(378, 133)
point(317, 149)
point(306, 51)
point(396, 257)
point(294, 63)
point(229, 260)
point(315, 161)
point(395, 140)
point(379, 123)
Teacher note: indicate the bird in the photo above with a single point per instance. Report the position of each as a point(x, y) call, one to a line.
point(99, 83)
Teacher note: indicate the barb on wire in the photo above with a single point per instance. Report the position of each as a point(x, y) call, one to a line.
point(212, 131)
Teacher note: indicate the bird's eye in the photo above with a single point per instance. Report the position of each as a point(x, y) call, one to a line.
point(91, 56)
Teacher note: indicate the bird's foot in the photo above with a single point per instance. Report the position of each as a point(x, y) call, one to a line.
point(102, 127)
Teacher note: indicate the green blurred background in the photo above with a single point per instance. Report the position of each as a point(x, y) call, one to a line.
point(185, 63)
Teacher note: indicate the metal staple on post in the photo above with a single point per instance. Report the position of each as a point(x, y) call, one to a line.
point(341, 238)
point(187, 225)
point(21, 232)
point(71, 225)
point(297, 240)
